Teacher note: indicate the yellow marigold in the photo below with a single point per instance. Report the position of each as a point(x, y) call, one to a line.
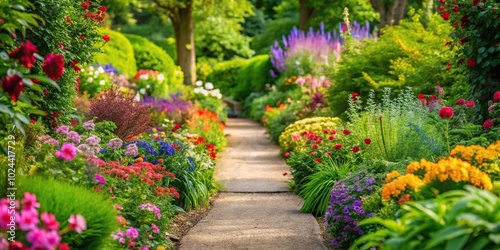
point(398, 185)
point(422, 165)
point(458, 170)
point(495, 147)
point(463, 152)
point(390, 176)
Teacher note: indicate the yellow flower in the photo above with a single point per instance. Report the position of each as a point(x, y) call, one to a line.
point(390, 176)
point(398, 185)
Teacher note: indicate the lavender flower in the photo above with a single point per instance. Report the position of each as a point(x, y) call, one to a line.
point(132, 150)
point(93, 140)
point(89, 125)
point(115, 143)
point(62, 130)
point(74, 136)
point(47, 139)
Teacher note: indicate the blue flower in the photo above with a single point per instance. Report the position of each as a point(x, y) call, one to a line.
point(166, 148)
point(191, 164)
point(103, 151)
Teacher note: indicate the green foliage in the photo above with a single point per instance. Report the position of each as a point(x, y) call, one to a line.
point(454, 220)
point(118, 52)
point(58, 198)
point(315, 124)
point(319, 185)
point(225, 75)
point(276, 120)
point(330, 12)
point(274, 30)
point(257, 107)
point(169, 46)
point(149, 56)
point(399, 128)
point(253, 77)
point(412, 56)
point(478, 52)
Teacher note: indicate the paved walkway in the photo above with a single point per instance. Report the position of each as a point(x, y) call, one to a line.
point(255, 209)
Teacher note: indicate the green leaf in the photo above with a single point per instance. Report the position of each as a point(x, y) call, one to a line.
point(447, 234)
point(22, 118)
point(478, 243)
point(495, 238)
point(457, 243)
point(47, 80)
point(19, 126)
point(481, 50)
point(389, 224)
point(6, 39)
point(431, 214)
point(6, 109)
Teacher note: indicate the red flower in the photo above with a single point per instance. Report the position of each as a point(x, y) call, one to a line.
point(488, 124)
point(496, 97)
point(53, 66)
point(77, 84)
point(448, 67)
point(448, 43)
point(446, 112)
point(86, 5)
point(318, 160)
point(368, 141)
point(446, 16)
point(346, 132)
point(313, 153)
point(442, 1)
point(105, 38)
point(463, 40)
point(82, 38)
point(68, 19)
point(354, 96)
point(102, 8)
point(287, 154)
point(456, 9)
point(460, 102)
point(176, 127)
point(471, 63)
point(73, 65)
point(421, 96)
point(355, 149)
point(475, 2)
point(326, 131)
point(441, 8)
point(329, 153)
point(25, 54)
point(13, 85)
point(331, 137)
point(337, 146)
point(470, 104)
point(314, 147)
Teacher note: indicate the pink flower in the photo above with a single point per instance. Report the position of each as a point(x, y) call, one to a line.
point(64, 130)
point(488, 124)
point(287, 154)
point(155, 228)
point(446, 112)
point(28, 220)
point(93, 140)
point(29, 202)
point(53, 239)
point(144, 248)
point(37, 238)
point(74, 136)
point(295, 137)
point(50, 221)
point(67, 152)
point(132, 233)
point(89, 125)
point(77, 222)
point(5, 216)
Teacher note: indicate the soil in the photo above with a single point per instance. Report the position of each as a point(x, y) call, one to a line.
point(327, 238)
point(181, 223)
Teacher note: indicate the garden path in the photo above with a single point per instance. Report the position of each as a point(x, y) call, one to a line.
point(255, 209)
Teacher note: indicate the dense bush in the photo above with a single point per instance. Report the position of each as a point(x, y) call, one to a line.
point(130, 117)
point(58, 198)
point(224, 75)
point(118, 52)
point(253, 77)
point(169, 46)
point(412, 56)
point(149, 56)
point(315, 124)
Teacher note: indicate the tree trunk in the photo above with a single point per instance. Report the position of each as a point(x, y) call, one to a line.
point(305, 14)
point(182, 20)
point(390, 13)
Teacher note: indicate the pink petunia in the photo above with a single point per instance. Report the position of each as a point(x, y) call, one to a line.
point(77, 222)
point(67, 152)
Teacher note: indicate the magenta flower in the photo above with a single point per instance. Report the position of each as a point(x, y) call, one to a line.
point(29, 202)
point(99, 178)
point(28, 220)
point(37, 238)
point(67, 152)
point(50, 221)
point(77, 222)
point(132, 233)
point(155, 228)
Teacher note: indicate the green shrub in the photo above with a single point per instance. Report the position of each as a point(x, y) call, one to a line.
point(64, 199)
point(315, 124)
point(118, 52)
point(169, 46)
point(274, 31)
point(149, 56)
point(258, 105)
point(253, 77)
point(405, 55)
point(224, 75)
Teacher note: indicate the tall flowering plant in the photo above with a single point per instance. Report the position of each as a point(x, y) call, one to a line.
point(478, 50)
point(347, 209)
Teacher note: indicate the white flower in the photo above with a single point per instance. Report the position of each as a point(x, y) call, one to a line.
point(198, 83)
point(142, 91)
point(148, 86)
point(90, 79)
point(160, 77)
point(91, 68)
point(204, 92)
point(144, 76)
point(219, 96)
point(197, 90)
point(137, 97)
point(100, 70)
point(102, 82)
point(209, 86)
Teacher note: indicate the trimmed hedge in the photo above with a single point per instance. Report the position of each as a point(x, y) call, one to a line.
point(224, 75)
point(169, 46)
point(149, 56)
point(119, 52)
point(253, 77)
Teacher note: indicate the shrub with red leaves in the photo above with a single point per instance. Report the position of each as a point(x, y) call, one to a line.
point(130, 117)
